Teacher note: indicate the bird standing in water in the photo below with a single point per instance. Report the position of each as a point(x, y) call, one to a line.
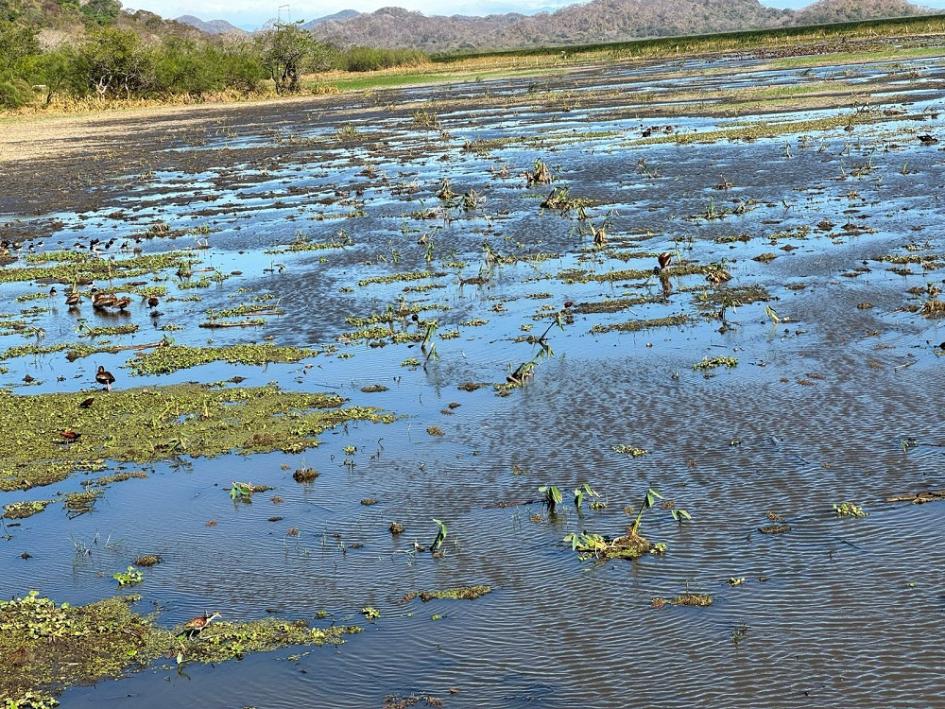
point(663, 260)
point(106, 379)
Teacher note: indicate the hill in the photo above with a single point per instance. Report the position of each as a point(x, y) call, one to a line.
point(211, 27)
point(593, 22)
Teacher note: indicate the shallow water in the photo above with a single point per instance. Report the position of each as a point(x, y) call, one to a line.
point(815, 412)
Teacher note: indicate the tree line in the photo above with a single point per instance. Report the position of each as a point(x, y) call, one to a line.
point(115, 63)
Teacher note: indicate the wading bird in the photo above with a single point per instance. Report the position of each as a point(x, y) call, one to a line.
point(106, 379)
point(196, 625)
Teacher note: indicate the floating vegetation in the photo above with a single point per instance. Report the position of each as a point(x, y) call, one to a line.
point(243, 492)
point(75, 267)
point(129, 577)
point(109, 331)
point(22, 510)
point(640, 325)
point(371, 613)
point(629, 546)
point(709, 363)
point(401, 277)
point(305, 475)
point(171, 358)
point(775, 529)
point(118, 478)
point(849, 509)
point(918, 498)
point(459, 593)
point(699, 600)
point(145, 425)
point(147, 560)
point(79, 503)
point(632, 451)
point(579, 275)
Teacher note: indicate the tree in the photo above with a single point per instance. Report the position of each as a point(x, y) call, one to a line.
point(101, 12)
point(287, 50)
point(113, 63)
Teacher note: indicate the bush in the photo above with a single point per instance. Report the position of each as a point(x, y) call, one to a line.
point(14, 91)
point(372, 59)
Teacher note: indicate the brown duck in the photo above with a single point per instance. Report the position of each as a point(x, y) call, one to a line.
point(106, 379)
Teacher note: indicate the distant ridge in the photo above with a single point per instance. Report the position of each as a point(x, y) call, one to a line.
point(337, 17)
point(594, 22)
point(214, 27)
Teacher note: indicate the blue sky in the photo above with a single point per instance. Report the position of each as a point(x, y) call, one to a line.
point(251, 13)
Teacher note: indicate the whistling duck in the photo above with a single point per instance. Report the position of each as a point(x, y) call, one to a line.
point(104, 378)
point(72, 300)
point(122, 303)
point(153, 302)
point(100, 301)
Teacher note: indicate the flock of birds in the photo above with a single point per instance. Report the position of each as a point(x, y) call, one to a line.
point(104, 302)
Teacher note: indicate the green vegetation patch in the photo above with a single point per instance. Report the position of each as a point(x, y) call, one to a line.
point(638, 325)
point(171, 358)
point(401, 277)
point(146, 425)
point(75, 267)
point(460, 593)
point(596, 546)
point(45, 647)
point(22, 510)
point(579, 275)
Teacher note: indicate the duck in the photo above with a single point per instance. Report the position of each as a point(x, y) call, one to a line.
point(153, 302)
point(100, 301)
point(122, 303)
point(198, 624)
point(105, 378)
point(72, 300)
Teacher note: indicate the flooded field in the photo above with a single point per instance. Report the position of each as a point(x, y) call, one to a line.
point(503, 311)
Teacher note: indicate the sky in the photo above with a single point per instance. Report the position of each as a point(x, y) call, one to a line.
point(251, 14)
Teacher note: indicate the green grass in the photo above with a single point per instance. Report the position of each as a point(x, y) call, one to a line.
point(411, 77)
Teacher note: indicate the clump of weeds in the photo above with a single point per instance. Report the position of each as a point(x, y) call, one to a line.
point(849, 509)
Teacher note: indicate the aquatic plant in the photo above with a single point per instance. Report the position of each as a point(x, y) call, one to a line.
point(632, 451)
point(459, 593)
point(582, 491)
point(849, 509)
point(551, 496)
point(540, 174)
point(21, 510)
point(708, 363)
point(648, 501)
point(130, 577)
point(440, 536)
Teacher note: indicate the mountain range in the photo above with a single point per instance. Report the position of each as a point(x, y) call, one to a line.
point(593, 22)
point(597, 21)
